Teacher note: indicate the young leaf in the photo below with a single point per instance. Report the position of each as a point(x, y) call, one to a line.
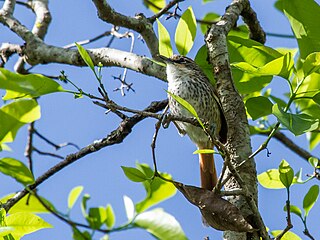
point(310, 199)
point(74, 195)
point(294, 209)
point(111, 219)
point(85, 56)
point(134, 174)
point(16, 169)
point(258, 107)
point(270, 179)
point(286, 173)
point(26, 86)
point(160, 224)
point(186, 32)
point(316, 98)
point(25, 223)
point(129, 206)
point(204, 151)
point(209, 17)
point(296, 123)
point(314, 162)
point(287, 236)
point(165, 47)
point(155, 5)
point(157, 190)
point(16, 114)
point(201, 60)
point(187, 106)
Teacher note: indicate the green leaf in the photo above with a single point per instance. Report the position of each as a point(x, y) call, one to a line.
point(155, 5)
point(78, 235)
point(204, 151)
point(5, 231)
point(258, 107)
point(316, 98)
point(294, 209)
point(314, 162)
point(209, 17)
point(310, 199)
point(314, 139)
point(186, 32)
point(311, 64)
point(28, 203)
point(282, 66)
point(134, 174)
point(84, 201)
point(201, 61)
point(270, 179)
point(129, 206)
point(157, 190)
point(96, 217)
point(258, 55)
point(165, 47)
point(286, 173)
point(17, 170)
point(160, 224)
point(25, 223)
point(296, 123)
point(241, 31)
point(26, 86)
point(111, 219)
point(74, 195)
point(85, 56)
point(16, 114)
point(187, 106)
point(301, 15)
point(287, 236)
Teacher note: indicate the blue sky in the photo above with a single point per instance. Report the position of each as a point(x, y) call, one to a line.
point(65, 119)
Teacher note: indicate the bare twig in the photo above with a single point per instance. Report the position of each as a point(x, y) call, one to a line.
point(47, 153)
point(29, 147)
point(163, 10)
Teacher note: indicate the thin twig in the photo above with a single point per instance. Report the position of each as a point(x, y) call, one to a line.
point(29, 147)
point(47, 153)
point(163, 10)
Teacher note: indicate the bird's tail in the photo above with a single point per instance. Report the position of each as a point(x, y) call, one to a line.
point(208, 171)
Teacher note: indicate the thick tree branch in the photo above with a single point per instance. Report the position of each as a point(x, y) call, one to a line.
point(139, 23)
point(115, 137)
point(238, 144)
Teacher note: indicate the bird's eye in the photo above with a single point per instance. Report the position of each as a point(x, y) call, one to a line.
point(180, 60)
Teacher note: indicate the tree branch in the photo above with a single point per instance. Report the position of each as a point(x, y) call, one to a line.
point(238, 144)
point(115, 137)
point(139, 23)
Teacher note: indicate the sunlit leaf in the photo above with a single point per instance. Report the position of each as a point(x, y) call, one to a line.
point(111, 219)
point(314, 162)
point(204, 151)
point(155, 5)
point(74, 195)
point(26, 86)
point(28, 203)
point(84, 201)
point(96, 217)
point(270, 179)
point(287, 236)
point(85, 56)
point(157, 190)
point(160, 224)
point(165, 47)
point(286, 173)
point(25, 223)
point(17, 170)
point(295, 210)
point(311, 64)
point(310, 198)
point(201, 60)
point(186, 32)
point(187, 106)
point(296, 123)
point(16, 114)
point(306, 30)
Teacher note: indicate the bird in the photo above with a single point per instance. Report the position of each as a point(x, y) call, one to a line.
point(187, 81)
